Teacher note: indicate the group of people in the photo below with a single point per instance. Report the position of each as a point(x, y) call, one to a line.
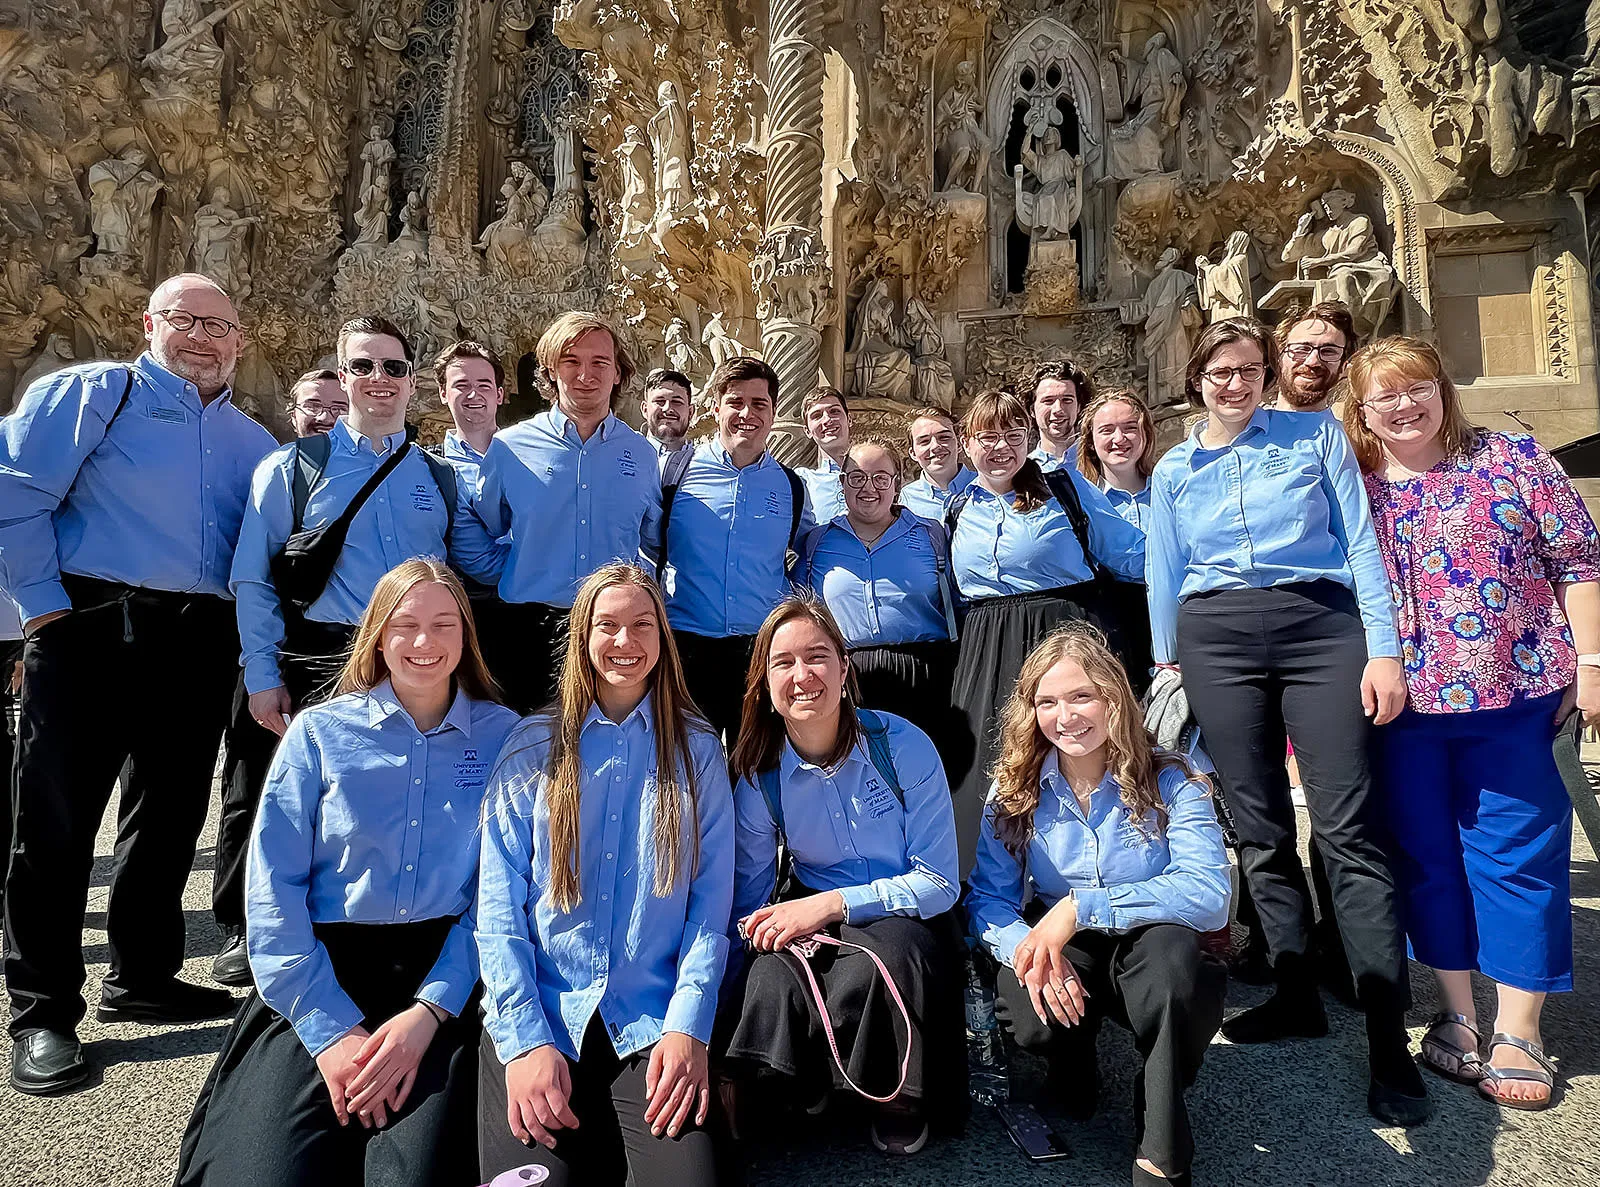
point(592, 795)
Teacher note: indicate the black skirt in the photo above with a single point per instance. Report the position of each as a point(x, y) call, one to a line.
point(769, 1016)
point(996, 638)
point(264, 1118)
point(912, 680)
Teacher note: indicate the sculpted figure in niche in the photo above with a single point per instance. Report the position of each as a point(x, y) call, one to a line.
point(562, 124)
point(189, 52)
point(669, 133)
point(638, 208)
point(1224, 287)
point(963, 142)
point(412, 216)
point(1051, 211)
point(721, 344)
point(121, 193)
point(1155, 88)
point(372, 217)
point(882, 366)
point(377, 155)
point(386, 31)
point(504, 241)
point(1343, 259)
point(1170, 315)
point(221, 248)
point(933, 381)
point(680, 350)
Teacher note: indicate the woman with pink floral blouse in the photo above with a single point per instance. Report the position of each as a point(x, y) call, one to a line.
point(1495, 565)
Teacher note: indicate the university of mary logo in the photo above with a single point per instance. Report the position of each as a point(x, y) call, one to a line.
point(469, 755)
point(471, 771)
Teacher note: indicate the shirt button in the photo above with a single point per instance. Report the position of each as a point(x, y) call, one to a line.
point(613, 815)
point(418, 742)
point(410, 867)
point(402, 910)
point(418, 782)
point(585, 486)
point(388, 538)
point(381, 499)
point(583, 523)
point(413, 824)
point(604, 897)
point(609, 856)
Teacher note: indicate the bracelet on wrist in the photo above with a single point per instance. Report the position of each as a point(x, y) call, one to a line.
point(439, 1013)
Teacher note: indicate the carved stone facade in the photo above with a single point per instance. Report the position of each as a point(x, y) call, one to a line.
point(910, 201)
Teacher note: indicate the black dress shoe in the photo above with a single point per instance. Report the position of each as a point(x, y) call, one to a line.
point(232, 965)
point(175, 1002)
point(47, 1062)
point(1394, 1107)
point(1287, 1014)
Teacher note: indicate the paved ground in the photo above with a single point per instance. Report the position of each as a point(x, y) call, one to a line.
point(1290, 1115)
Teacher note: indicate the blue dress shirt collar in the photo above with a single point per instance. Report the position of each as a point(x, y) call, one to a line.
point(383, 704)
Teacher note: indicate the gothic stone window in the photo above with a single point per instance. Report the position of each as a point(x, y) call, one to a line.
point(420, 97)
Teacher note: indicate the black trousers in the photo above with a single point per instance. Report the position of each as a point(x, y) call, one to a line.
point(263, 1118)
point(10, 653)
point(531, 640)
point(715, 670)
point(1156, 982)
point(309, 664)
point(612, 1144)
point(913, 680)
point(1261, 664)
point(129, 674)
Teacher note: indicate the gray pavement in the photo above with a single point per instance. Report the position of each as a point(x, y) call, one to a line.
point(1288, 1115)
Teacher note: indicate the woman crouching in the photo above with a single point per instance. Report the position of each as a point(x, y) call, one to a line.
point(859, 802)
point(352, 1063)
point(1120, 845)
point(606, 883)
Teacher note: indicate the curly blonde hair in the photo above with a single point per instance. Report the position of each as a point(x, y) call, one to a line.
point(1132, 758)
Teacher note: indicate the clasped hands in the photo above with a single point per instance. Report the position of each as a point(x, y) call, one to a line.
point(774, 927)
point(370, 1075)
point(1041, 965)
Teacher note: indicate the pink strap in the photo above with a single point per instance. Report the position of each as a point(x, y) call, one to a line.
point(802, 950)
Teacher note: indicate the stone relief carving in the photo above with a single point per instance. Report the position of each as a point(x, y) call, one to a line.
point(963, 143)
point(1342, 261)
point(1223, 288)
point(933, 381)
point(221, 243)
point(669, 135)
point(882, 364)
point(1170, 315)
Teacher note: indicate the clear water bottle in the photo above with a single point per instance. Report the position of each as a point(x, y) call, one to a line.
point(986, 1053)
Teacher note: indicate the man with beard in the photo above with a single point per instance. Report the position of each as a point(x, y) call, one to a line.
point(1312, 351)
point(1060, 391)
point(668, 410)
point(123, 487)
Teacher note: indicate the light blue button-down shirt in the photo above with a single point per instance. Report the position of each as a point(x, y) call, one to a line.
point(885, 594)
point(1125, 873)
point(662, 450)
point(364, 819)
point(727, 543)
point(569, 505)
point(824, 488)
point(647, 964)
point(1049, 461)
point(1133, 508)
point(848, 832)
point(998, 551)
point(155, 502)
point(1282, 503)
point(458, 451)
point(931, 502)
point(404, 518)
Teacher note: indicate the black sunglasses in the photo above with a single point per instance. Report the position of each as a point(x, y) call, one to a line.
point(360, 367)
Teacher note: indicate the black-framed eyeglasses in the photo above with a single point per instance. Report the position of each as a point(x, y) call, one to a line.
point(361, 368)
point(859, 479)
point(1327, 352)
point(318, 411)
point(1420, 393)
point(183, 321)
point(1223, 376)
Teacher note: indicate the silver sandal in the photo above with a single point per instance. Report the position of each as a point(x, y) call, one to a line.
point(1444, 1058)
point(1544, 1074)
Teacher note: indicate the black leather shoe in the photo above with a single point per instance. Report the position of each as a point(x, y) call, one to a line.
point(47, 1062)
point(175, 1002)
point(1393, 1107)
point(232, 965)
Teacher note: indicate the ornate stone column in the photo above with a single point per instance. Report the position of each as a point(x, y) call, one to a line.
point(453, 173)
point(794, 295)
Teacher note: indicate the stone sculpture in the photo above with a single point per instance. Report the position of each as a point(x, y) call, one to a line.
point(1154, 89)
point(221, 243)
point(669, 135)
point(933, 379)
point(1223, 288)
point(637, 204)
point(882, 365)
point(1170, 315)
point(962, 140)
point(1343, 260)
point(121, 194)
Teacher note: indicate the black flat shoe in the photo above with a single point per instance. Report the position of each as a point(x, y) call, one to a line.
point(1393, 1107)
point(47, 1062)
point(1284, 1015)
point(232, 965)
point(176, 1002)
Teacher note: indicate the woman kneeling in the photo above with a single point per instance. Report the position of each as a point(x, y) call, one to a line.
point(1120, 845)
point(352, 1063)
point(860, 804)
point(606, 883)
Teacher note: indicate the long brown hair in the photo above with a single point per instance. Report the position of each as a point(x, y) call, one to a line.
point(1089, 464)
point(761, 729)
point(1131, 757)
point(1000, 412)
point(366, 668)
point(673, 716)
point(1412, 360)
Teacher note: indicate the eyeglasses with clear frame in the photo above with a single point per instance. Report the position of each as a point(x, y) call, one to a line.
point(1420, 393)
point(1016, 438)
point(183, 321)
point(859, 480)
point(318, 411)
point(1301, 351)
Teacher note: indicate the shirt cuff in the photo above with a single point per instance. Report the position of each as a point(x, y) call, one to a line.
point(261, 674)
point(1004, 940)
point(519, 1031)
point(1094, 908)
point(1382, 643)
point(861, 904)
point(450, 997)
point(44, 597)
point(691, 1013)
point(321, 1029)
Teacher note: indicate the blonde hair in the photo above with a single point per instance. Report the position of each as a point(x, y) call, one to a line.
point(999, 412)
point(560, 334)
point(1089, 464)
point(673, 716)
point(1414, 361)
point(1131, 757)
point(366, 667)
point(761, 728)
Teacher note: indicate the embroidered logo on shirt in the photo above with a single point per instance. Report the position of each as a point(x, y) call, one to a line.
point(471, 771)
point(627, 465)
point(1276, 464)
point(421, 497)
point(774, 505)
point(876, 798)
point(168, 416)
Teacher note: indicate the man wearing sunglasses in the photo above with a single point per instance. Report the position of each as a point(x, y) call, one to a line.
point(123, 487)
point(292, 654)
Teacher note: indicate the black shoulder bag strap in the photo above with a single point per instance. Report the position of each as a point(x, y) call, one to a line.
point(797, 501)
point(310, 460)
point(672, 475)
point(1066, 492)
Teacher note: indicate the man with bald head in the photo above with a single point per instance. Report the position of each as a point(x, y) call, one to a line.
point(122, 486)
